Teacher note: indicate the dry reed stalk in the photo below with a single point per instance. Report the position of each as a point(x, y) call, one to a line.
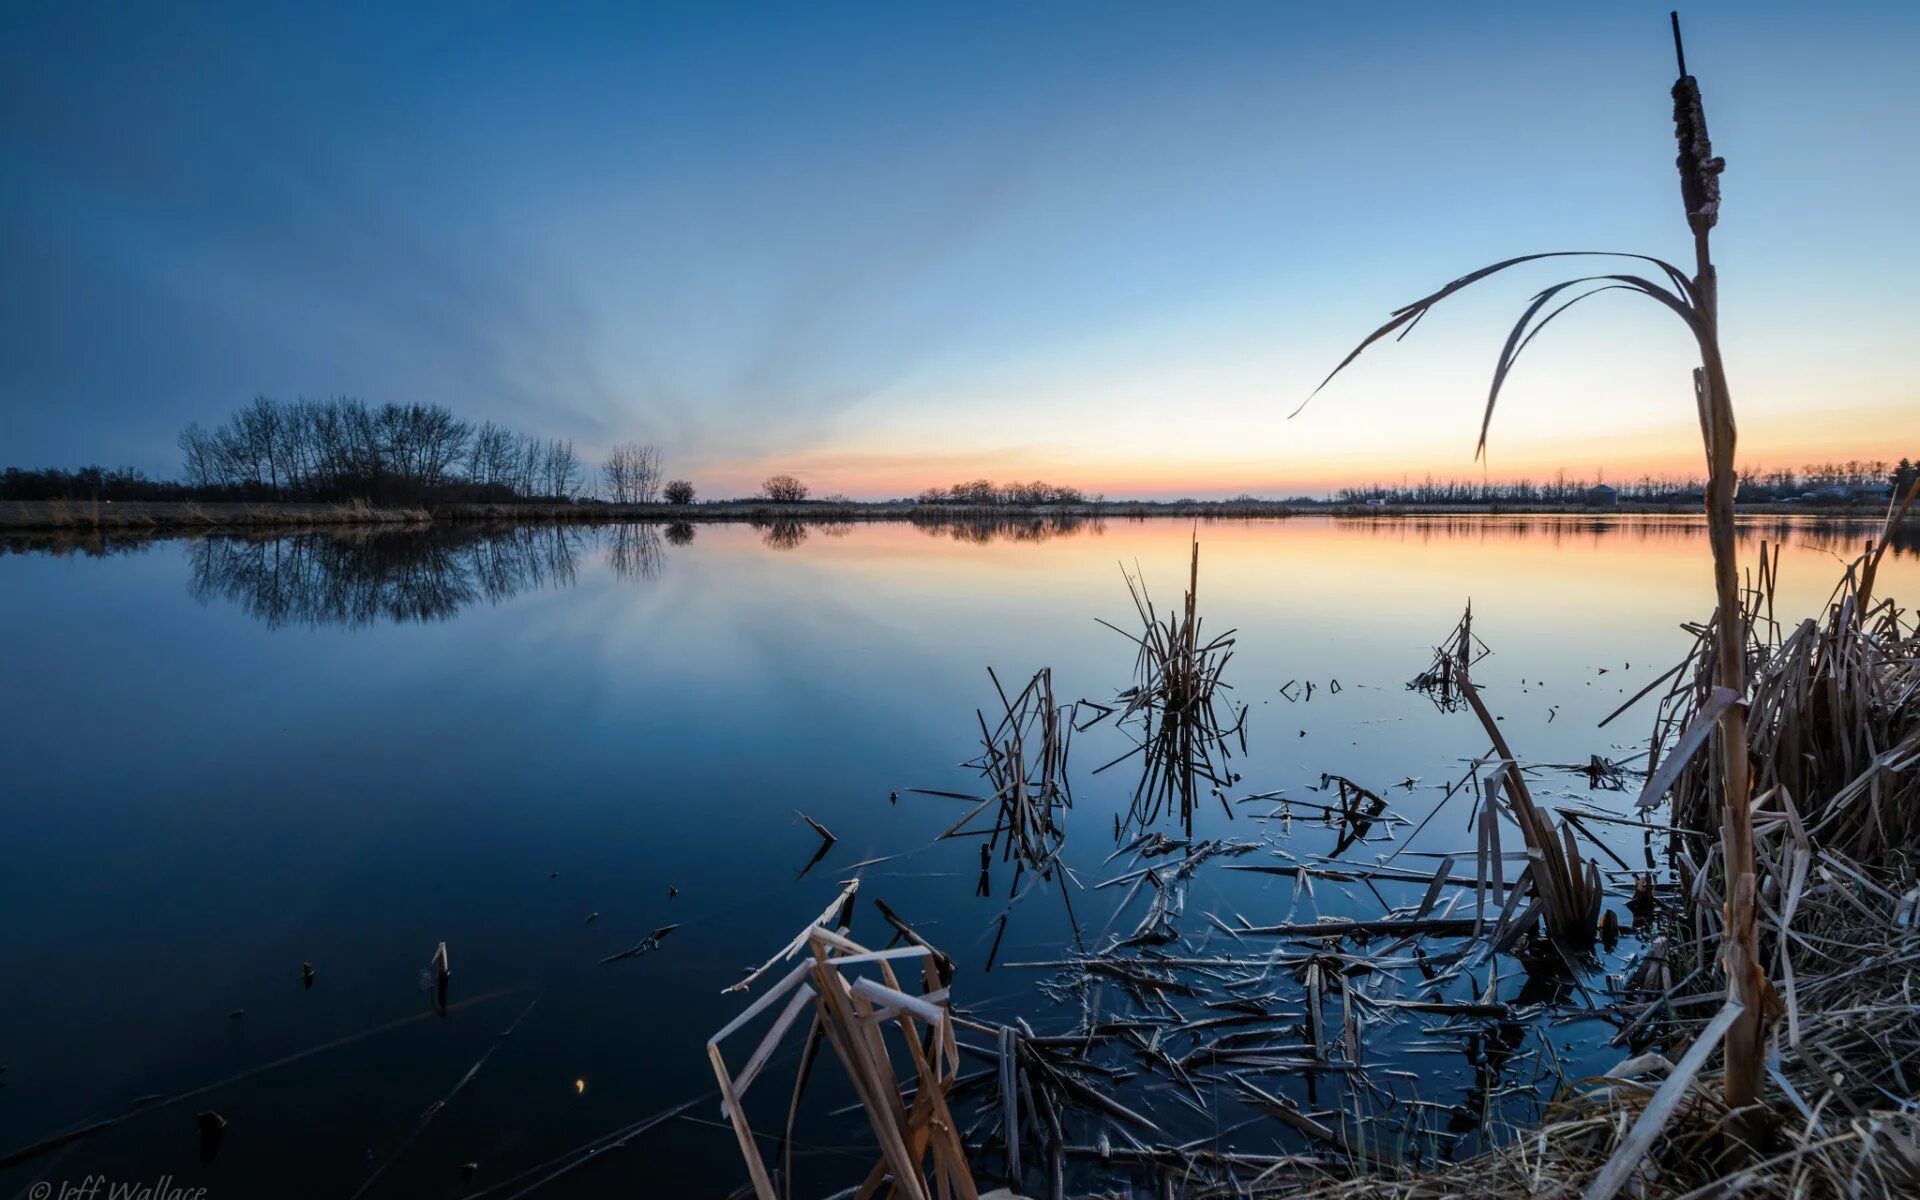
point(850, 1012)
point(1569, 889)
point(1844, 937)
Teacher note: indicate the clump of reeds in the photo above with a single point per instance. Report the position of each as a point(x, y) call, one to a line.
point(1834, 717)
point(1843, 938)
point(1566, 887)
point(1023, 759)
point(1185, 739)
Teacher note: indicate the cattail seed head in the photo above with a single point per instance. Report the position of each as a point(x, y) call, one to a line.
point(1699, 169)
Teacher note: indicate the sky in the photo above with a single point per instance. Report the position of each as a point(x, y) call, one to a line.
point(884, 246)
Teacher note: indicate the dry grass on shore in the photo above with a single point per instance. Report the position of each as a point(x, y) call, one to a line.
point(157, 516)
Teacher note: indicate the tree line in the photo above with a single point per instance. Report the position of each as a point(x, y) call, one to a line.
point(333, 449)
point(341, 449)
point(1818, 481)
point(984, 493)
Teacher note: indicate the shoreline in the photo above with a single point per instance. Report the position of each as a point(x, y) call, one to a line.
point(40, 516)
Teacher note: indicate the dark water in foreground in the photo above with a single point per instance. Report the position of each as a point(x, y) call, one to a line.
point(227, 757)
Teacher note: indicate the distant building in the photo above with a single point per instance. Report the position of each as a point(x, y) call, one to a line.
point(1602, 495)
point(1377, 502)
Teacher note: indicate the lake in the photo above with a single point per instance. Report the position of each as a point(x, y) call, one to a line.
point(228, 757)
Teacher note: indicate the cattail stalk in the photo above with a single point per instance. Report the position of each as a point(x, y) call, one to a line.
point(1740, 946)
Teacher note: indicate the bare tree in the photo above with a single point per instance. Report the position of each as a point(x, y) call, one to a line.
point(678, 491)
point(784, 489)
point(631, 473)
point(562, 469)
point(490, 455)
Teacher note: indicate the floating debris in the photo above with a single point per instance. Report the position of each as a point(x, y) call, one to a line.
point(826, 835)
point(645, 945)
point(437, 977)
point(213, 1131)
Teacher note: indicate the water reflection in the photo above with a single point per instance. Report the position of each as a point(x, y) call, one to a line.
point(357, 577)
point(982, 530)
point(634, 553)
point(780, 533)
point(88, 544)
point(1841, 536)
point(361, 578)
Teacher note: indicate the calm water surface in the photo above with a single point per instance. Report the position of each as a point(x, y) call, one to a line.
point(228, 757)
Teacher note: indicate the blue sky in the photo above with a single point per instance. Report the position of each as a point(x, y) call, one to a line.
point(886, 245)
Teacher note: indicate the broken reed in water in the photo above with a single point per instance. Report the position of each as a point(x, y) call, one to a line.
point(1457, 654)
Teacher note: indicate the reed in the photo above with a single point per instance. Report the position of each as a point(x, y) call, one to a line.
point(1834, 728)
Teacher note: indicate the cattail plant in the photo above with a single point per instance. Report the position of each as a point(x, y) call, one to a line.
point(1694, 300)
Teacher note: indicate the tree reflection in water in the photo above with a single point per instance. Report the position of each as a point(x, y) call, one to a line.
point(633, 551)
point(980, 530)
point(364, 577)
point(780, 533)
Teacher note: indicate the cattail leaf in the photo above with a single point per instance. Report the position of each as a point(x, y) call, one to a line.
point(1521, 335)
point(1404, 319)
